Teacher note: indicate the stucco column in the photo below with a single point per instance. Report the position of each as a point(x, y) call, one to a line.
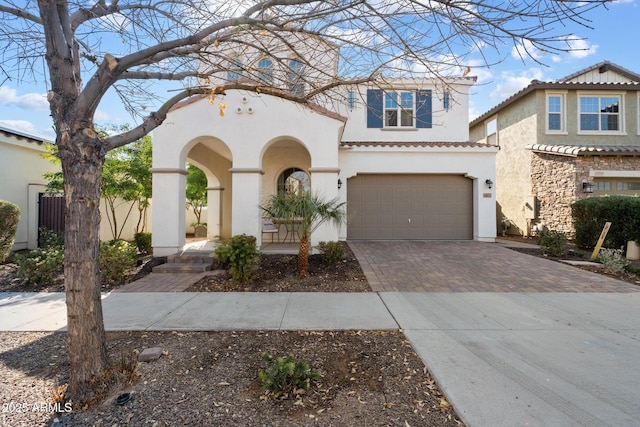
point(324, 182)
point(246, 185)
point(214, 212)
point(168, 219)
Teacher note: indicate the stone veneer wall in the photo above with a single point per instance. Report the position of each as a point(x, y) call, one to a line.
point(555, 184)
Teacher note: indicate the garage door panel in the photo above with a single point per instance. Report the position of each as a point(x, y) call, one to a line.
point(410, 207)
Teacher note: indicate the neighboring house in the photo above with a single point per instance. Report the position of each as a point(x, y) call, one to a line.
point(399, 154)
point(562, 141)
point(21, 181)
point(22, 167)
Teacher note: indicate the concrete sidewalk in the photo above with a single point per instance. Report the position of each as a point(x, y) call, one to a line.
point(502, 359)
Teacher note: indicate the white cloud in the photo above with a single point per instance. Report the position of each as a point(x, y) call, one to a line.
point(103, 116)
point(26, 127)
point(29, 101)
point(580, 48)
point(511, 83)
point(525, 50)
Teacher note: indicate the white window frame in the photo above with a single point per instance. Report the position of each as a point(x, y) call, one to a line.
point(638, 110)
point(563, 113)
point(599, 95)
point(491, 122)
point(399, 109)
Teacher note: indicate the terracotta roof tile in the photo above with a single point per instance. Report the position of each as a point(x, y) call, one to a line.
point(426, 144)
point(586, 150)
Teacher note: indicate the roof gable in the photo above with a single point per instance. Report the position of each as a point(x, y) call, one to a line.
point(602, 72)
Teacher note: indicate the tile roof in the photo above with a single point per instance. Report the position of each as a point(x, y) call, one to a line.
point(22, 135)
point(586, 150)
point(425, 144)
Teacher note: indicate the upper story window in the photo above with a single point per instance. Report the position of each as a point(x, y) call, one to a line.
point(600, 113)
point(491, 130)
point(235, 70)
point(445, 100)
point(351, 100)
point(555, 112)
point(397, 110)
point(265, 70)
point(295, 77)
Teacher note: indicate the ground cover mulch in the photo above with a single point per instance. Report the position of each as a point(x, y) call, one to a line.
point(279, 273)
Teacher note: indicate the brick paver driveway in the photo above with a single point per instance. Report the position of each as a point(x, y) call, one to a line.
point(469, 266)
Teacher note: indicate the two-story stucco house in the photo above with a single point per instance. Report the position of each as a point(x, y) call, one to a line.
point(562, 141)
point(397, 153)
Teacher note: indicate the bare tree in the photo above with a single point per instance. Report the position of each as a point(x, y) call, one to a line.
point(85, 49)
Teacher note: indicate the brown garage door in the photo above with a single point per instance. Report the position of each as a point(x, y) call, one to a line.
point(410, 207)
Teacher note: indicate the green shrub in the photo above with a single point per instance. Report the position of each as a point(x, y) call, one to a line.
point(331, 252)
point(284, 374)
point(49, 238)
point(9, 217)
point(116, 259)
point(238, 253)
point(552, 243)
point(143, 242)
point(613, 259)
point(42, 265)
point(590, 215)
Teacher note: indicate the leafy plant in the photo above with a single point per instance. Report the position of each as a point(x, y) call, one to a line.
point(591, 214)
point(311, 211)
point(48, 238)
point(332, 252)
point(9, 217)
point(40, 266)
point(238, 253)
point(552, 243)
point(143, 242)
point(283, 374)
point(613, 259)
point(116, 258)
point(196, 192)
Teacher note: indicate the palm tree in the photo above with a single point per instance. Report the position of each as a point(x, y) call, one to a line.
point(311, 210)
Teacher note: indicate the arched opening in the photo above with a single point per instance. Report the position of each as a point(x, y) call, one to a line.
point(294, 181)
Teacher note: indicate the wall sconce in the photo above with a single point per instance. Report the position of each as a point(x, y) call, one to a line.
point(339, 183)
point(489, 183)
point(587, 187)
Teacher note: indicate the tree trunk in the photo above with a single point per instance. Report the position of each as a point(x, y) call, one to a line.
point(303, 257)
point(82, 159)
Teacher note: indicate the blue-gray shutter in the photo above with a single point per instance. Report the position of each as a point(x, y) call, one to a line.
point(374, 108)
point(423, 109)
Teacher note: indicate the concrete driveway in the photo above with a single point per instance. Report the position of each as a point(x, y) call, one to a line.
point(514, 340)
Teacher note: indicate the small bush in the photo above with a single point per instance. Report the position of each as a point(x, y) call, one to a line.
point(613, 259)
point(49, 238)
point(331, 252)
point(590, 215)
point(283, 374)
point(143, 242)
point(9, 218)
point(552, 243)
point(42, 265)
point(238, 253)
point(116, 258)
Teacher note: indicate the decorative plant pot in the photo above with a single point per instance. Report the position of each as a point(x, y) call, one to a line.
point(633, 250)
point(201, 230)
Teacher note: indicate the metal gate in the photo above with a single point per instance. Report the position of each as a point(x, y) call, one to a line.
point(51, 212)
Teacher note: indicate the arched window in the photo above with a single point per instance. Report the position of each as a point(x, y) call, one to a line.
point(295, 77)
point(294, 181)
point(265, 70)
point(235, 70)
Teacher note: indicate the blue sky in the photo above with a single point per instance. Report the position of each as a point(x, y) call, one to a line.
point(614, 38)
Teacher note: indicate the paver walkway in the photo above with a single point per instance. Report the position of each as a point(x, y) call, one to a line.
point(466, 266)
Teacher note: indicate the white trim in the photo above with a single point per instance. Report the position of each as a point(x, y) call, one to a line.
point(563, 112)
point(614, 174)
point(621, 113)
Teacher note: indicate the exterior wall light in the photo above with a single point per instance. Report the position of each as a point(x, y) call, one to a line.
point(587, 187)
point(339, 183)
point(489, 183)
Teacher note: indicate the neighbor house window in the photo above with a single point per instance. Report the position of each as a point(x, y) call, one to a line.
point(555, 113)
point(351, 100)
point(294, 181)
point(445, 100)
point(295, 77)
point(491, 129)
point(265, 70)
point(600, 113)
point(398, 109)
point(235, 70)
